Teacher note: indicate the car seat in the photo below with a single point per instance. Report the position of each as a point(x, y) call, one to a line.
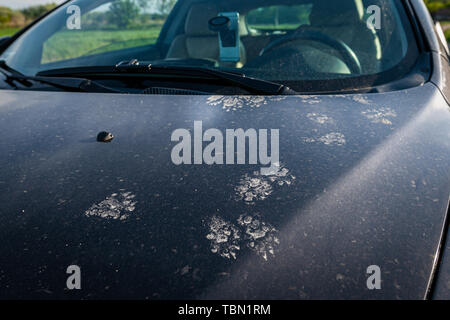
point(344, 20)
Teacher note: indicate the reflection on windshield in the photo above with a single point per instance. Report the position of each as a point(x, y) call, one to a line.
point(275, 40)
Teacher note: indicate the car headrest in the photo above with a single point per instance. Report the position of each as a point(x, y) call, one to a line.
point(198, 18)
point(327, 13)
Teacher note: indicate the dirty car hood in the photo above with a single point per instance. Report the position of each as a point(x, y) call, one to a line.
point(363, 180)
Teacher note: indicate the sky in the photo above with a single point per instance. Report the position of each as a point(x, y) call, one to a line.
point(18, 4)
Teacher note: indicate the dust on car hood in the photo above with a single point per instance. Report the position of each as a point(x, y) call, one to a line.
point(363, 180)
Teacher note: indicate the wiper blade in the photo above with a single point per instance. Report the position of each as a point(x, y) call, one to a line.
point(69, 84)
point(134, 67)
point(253, 85)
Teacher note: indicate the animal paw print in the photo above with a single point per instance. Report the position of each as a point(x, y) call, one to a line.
point(224, 238)
point(260, 236)
point(235, 103)
point(118, 206)
point(381, 115)
point(227, 239)
point(257, 187)
point(330, 139)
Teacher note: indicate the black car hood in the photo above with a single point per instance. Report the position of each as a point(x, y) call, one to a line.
point(364, 181)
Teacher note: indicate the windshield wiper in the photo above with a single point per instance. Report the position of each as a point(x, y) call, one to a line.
point(133, 67)
point(68, 84)
point(253, 85)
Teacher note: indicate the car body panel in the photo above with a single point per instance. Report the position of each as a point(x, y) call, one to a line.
point(440, 281)
point(440, 289)
point(426, 24)
point(366, 183)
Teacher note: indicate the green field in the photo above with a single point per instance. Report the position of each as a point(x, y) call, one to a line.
point(8, 31)
point(74, 43)
point(78, 43)
point(446, 25)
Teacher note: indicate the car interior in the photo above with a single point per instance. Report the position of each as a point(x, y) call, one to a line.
point(197, 42)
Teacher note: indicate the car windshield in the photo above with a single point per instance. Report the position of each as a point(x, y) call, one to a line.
point(287, 41)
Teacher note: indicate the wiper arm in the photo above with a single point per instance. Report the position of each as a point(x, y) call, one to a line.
point(69, 84)
point(134, 67)
point(13, 75)
point(253, 85)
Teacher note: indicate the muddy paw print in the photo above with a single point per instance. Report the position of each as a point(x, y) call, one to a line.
point(117, 206)
point(255, 187)
point(260, 236)
point(235, 103)
point(224, 238)
point(319, 118)
point(381, 115)
point(227, 239)
point(330, 139)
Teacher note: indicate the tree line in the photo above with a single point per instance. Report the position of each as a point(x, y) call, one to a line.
point(19, 18)
point(436, 5)
point(126, 12)
point(121, 13)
